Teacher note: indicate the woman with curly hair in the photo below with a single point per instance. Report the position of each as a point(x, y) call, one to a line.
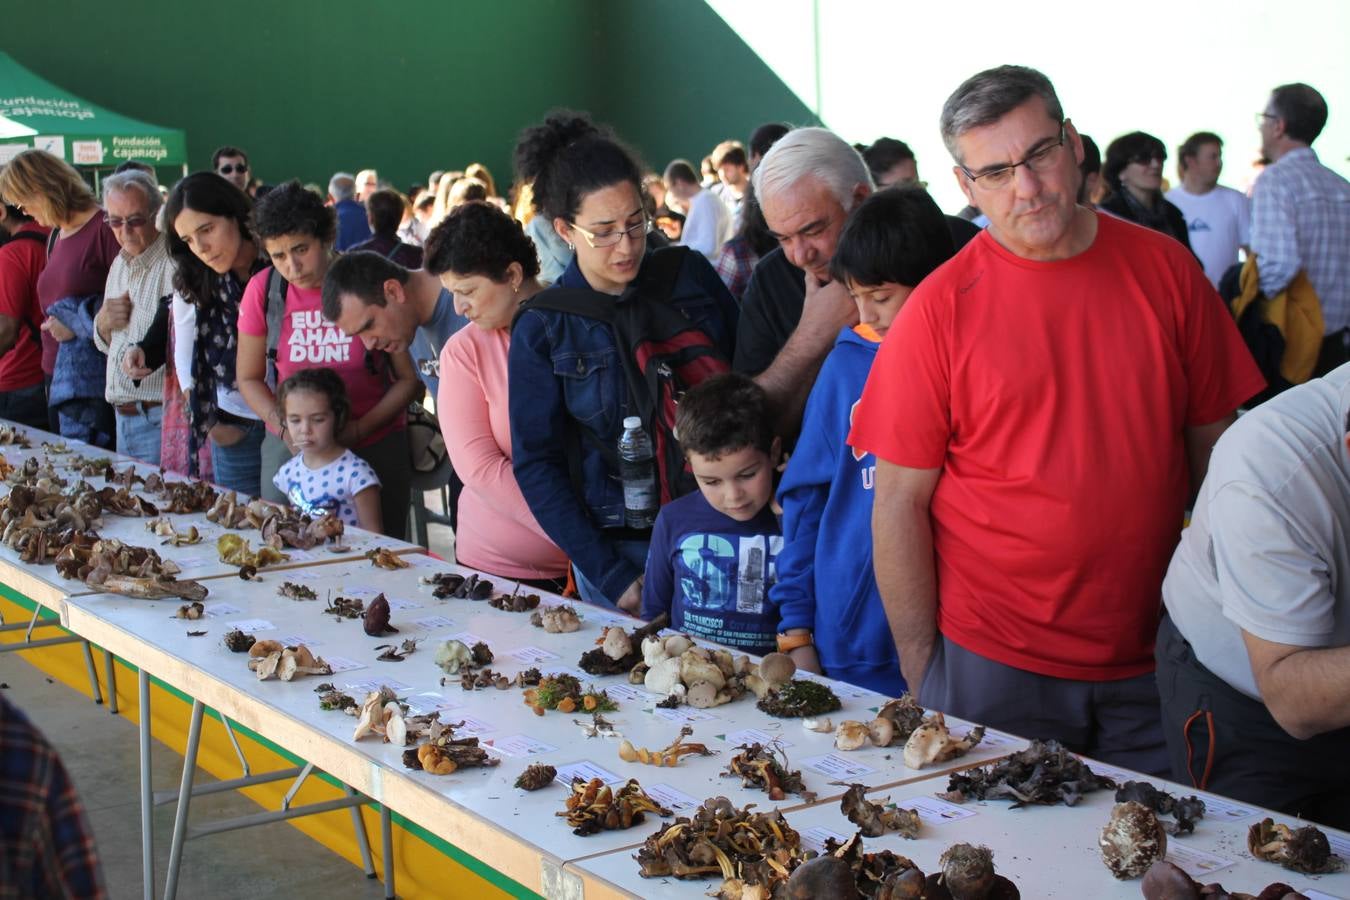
point(297, 232)
point(482, 255)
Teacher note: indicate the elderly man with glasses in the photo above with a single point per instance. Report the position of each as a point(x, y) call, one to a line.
point(139, 280)
point(1041, 410)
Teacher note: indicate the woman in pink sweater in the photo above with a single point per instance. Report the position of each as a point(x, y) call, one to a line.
point(484, 258)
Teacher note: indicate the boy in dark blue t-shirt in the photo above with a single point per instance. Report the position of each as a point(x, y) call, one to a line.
point(713, 553)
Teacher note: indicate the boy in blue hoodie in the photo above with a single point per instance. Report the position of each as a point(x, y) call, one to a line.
point(713, 552)
point(832, 618)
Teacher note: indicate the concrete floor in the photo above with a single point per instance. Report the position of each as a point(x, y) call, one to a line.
point(101, 752)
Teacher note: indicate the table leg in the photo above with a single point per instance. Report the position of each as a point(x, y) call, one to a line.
point(362, 841)
point(184, 801)
point(387, 838)
point(93, 674)
point(147, 790)
point(111, 677)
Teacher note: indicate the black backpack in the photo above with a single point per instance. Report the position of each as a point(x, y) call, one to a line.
point(662, 352)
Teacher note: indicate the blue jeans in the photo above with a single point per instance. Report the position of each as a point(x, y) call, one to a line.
point(238, 467)
point(633, 551)
point(138, 435)
point(27, 406)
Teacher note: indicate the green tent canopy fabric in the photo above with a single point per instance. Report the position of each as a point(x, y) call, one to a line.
point(36, 113)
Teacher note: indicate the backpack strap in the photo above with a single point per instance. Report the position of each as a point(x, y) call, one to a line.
point(274, 311)
point(659, 274)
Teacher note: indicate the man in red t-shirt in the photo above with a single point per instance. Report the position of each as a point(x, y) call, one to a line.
point(1040, 411)
point(23, 254)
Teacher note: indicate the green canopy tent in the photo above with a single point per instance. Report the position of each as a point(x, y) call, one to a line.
point(36, 113)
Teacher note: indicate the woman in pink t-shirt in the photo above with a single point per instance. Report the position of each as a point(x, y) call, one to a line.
point(483, 257)
point(297, 231)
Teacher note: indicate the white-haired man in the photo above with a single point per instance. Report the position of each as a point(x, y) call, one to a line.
point(353, 227)
point(140, 278)
point(1040, 411)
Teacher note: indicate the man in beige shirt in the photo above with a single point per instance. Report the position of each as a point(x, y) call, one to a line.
point(140, 277)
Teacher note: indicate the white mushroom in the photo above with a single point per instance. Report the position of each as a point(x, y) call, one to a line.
point(371, 718)
point(677, 644)
point(881, 731)
point(695, 666)
point(821, 726)
point(664, 677)
point(395, 726)
point(452, 655)
point(653, 650)
point(851, 735)
point(773, 671)
point(703, 694)
point(286, 668)
point(267, 667)
point(616, 642)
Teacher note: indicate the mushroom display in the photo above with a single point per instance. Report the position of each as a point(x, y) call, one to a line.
point(452, 656)
point(968, 874)
point(1132, 840)
point(875, 819)
point(747, 849)
point(800, 698)
point(376, 617)
point(1303, 849)
point(766, 768)
point(1044, 773)
point(556, 619)
point(594, 806)
point(271, 658)
point(1167, 881)
point(932, 742)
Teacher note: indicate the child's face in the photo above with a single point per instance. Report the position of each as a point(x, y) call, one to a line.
point(737, 484)
point(878, 304)
point(309, 420)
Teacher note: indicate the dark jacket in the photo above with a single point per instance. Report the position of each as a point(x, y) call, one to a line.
point(566, 378)
point(80, 368)
point(1169, 220)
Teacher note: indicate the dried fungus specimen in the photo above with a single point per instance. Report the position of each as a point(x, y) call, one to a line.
point(238, 641)
point(755, 850)
point(235, 551)
point(847, 871)
point(800, 699)
point(556, 619)
point(1132, 840)
point(515, 601)
point(384, 558)
point(345, 608)
point(670, 756)
point(397, 652)
point(183, 497)
point(376, 617)
point(594, 806)
point(295, 591)
point(1184, 811)
point(875, 819)
point(1303, 849)
point(1167, 881)
point(619, 656)
point(1044, 773)
point(536, 777)
point(766, 769)
point(968, 874)
point(194, 610)
point(563, 692)
point(269, 658)
point(932, 742)
point(453, 586)
point(443, 753)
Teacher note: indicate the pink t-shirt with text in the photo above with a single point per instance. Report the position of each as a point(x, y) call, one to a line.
point(309, 341)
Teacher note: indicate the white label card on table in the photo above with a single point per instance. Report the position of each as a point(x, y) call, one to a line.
point(630, 694)
point(1316, 895)
point(753, 736)
point(468, 726)
point(1227, 810)
point(672, 798)
point(295, 640)
point(342, 664)
point(250, 625)
point(299, 555)
point(1120, 776)
point(519, 745)
point(359, 592)
point(1195, 863)
point(1339, 845)
point(685, 715)
point(216, 610)
point(468, 638)
point(837, 767)
point(586, 770)
point(371, 685)
point(430, 622)
point(992, 738)
point(935, 811)
point(815, 838)
point(530, 655)
point(193, 562)
point(403, 604)
point(427, 703)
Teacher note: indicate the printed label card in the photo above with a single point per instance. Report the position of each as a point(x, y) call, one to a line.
point(401, 603)
point(585, 770)
point(518, 745)
point(433, 622)
point(532, 655)
point(676, 800)
point(371, 685)
point(467, 638)
point(753, 736)
point(1196, 863)
point(343, 664)
point(837, 767)
point(629, 694)
point(250, 625)
point(816, 837)
point(425, 704)
point(1227, 810)
point(295, 640)
point(217, 610)
point(468, 726)
point(934, 811)
point(685, 715)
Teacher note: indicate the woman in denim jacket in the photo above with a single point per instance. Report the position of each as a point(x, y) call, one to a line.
point(566, 377)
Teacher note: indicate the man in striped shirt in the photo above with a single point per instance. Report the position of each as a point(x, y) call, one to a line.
point(1301, 214)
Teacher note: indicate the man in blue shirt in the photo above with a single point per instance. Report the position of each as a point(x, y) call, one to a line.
point(351, 213)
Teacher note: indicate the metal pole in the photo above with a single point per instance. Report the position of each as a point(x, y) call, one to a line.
point(387, 838)
point(93, 674)
point(147, 790)
point(184, 801)
point(111, 675)
point(362, 841)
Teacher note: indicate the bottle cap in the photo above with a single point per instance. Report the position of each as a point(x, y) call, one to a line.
point(632, 422)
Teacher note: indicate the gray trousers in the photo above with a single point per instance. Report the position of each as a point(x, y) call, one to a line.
point(1117, 722)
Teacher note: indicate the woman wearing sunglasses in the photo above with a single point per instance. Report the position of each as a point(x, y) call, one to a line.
point(1133, 173)
point(567, 380)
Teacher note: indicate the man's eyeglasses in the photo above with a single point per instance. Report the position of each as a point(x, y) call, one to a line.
point(611, 238)
point(1039, 160)
point(117, 224)
point(1262, 116)
point(230, 168)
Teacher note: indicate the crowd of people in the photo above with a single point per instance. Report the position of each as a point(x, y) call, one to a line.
point(945, 453)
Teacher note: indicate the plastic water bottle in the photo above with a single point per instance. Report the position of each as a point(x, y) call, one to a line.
point(637, 466)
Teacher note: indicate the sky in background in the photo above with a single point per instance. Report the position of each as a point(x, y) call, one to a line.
point(873, 68)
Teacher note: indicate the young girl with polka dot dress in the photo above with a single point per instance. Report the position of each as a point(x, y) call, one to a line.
point(323, 476)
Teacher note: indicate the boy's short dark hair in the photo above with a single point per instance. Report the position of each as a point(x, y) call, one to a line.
point(897, 235)
point(722, 415)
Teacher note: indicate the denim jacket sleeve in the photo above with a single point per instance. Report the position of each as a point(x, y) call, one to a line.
point(539, 425)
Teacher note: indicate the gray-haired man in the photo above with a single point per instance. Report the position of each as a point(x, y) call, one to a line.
point(1039, 411)
point(139, 278)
